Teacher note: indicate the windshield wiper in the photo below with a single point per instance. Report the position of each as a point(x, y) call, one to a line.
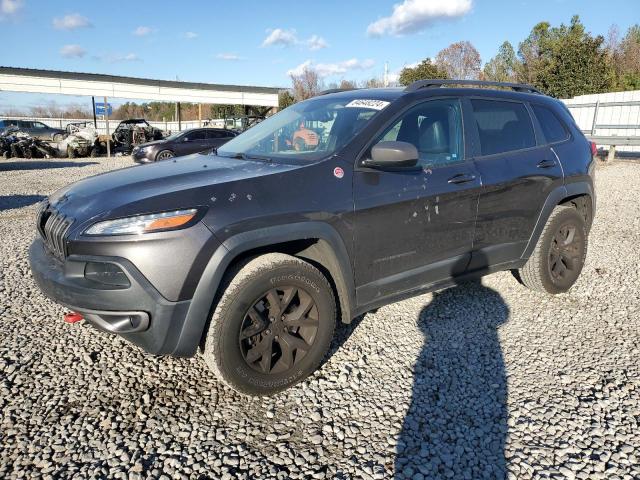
point(244, 156)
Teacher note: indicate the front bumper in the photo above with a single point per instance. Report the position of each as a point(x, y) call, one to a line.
point(140, 156)
point(139, 313)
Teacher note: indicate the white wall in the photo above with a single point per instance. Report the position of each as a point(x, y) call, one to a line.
point(627, 115)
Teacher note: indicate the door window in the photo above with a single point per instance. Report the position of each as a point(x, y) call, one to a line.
point(195, 136)
point(552, 128)
point(434, 128)
point(503, 126)
point(39, 126)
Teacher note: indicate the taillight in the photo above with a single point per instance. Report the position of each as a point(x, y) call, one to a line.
point(594, 149)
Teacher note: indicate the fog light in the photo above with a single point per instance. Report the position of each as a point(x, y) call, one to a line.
point(106, 273)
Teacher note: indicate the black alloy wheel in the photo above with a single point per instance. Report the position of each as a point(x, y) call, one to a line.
point(279, 329)
point(565, 254)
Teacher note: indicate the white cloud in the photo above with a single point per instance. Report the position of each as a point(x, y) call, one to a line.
point(190, 35)
point(73, 51)
point(331, 69)
point(72, 21)
point(300, 68)
point(316, 42)
point(229, 56)
point(9, 8)
point(279, 37)
point(412, 16)
point(142, 31)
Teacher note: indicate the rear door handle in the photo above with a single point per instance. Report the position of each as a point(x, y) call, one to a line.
point(462, 178)
point(547, 164)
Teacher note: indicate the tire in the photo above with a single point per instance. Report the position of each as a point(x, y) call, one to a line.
point(95, 151)
point(71, 153)
point(165, 155)
point(559, 255)
point(236, 339)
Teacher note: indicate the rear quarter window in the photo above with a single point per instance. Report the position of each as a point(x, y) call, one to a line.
point(552, 127)
point(503, 126)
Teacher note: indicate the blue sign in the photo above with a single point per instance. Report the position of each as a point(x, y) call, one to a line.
point(100, 110)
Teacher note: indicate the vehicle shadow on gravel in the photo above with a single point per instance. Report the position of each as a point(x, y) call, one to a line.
point(41, 165)
point(9, 202)
point(456, 424)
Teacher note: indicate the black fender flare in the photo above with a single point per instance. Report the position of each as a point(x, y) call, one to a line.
point(337, 264)
point(553, 199)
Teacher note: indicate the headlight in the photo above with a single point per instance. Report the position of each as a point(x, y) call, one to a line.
point(143, 223)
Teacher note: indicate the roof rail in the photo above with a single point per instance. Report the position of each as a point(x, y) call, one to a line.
point(518, 87)
point(335, 90)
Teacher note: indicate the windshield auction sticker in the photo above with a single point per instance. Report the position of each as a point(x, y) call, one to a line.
point(367, 103)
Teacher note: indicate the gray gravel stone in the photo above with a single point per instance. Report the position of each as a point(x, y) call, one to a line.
point(480, 381)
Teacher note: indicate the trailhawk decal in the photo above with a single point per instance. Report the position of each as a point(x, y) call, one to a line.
point(372, 104)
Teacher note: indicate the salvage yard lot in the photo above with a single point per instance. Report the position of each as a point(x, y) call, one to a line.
point(478, 381)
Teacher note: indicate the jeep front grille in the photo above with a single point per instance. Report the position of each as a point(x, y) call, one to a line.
point(53, 228)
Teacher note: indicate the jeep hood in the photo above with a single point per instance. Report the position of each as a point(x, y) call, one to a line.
point(189, 182)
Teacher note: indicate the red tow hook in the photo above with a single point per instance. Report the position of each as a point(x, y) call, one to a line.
point(73, 317)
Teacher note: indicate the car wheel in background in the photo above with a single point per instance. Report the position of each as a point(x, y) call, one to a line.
point(557, 260)
point(272, 325)
point(165, 155)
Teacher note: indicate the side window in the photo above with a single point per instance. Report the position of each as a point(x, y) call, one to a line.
point(503, 126)
point(25, 124)
point(435, 128)
point(194, 136)
point(211, 134)
point(552, 127)
point(39, 125)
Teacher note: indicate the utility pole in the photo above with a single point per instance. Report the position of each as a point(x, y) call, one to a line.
point(385, 80)
point(95, 120)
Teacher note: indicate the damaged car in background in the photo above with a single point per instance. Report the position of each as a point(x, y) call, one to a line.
point(132, 132)
point(18, 144)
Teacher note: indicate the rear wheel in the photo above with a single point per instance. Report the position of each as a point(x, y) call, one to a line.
point(557, 260)
point(272, 325)
point(165, 155)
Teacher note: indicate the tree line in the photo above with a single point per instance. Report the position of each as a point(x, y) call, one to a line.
point(563, 61)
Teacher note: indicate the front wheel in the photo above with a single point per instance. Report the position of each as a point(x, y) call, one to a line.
point(272, 325)
point(557, 260)
point(165, 155)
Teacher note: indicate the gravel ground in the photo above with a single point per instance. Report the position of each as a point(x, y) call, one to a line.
point(479, 381)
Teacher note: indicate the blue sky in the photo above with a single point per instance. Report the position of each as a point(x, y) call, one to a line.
point(258, 42)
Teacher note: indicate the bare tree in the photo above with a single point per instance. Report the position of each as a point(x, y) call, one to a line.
point(306, 85)
point(460, 60)
point(373, 82)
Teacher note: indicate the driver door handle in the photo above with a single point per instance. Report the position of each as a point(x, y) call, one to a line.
point(462, 178)
point(547, 164)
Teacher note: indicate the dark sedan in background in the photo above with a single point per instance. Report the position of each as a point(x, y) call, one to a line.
point(34, 129)
point(182, 143)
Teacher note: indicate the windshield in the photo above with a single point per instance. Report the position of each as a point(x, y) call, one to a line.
point(174, 136)
point(305, 131)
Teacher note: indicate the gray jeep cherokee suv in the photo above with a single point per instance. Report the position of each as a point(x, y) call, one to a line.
point(331, 208)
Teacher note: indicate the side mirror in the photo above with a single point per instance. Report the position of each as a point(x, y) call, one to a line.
point(393, 155)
